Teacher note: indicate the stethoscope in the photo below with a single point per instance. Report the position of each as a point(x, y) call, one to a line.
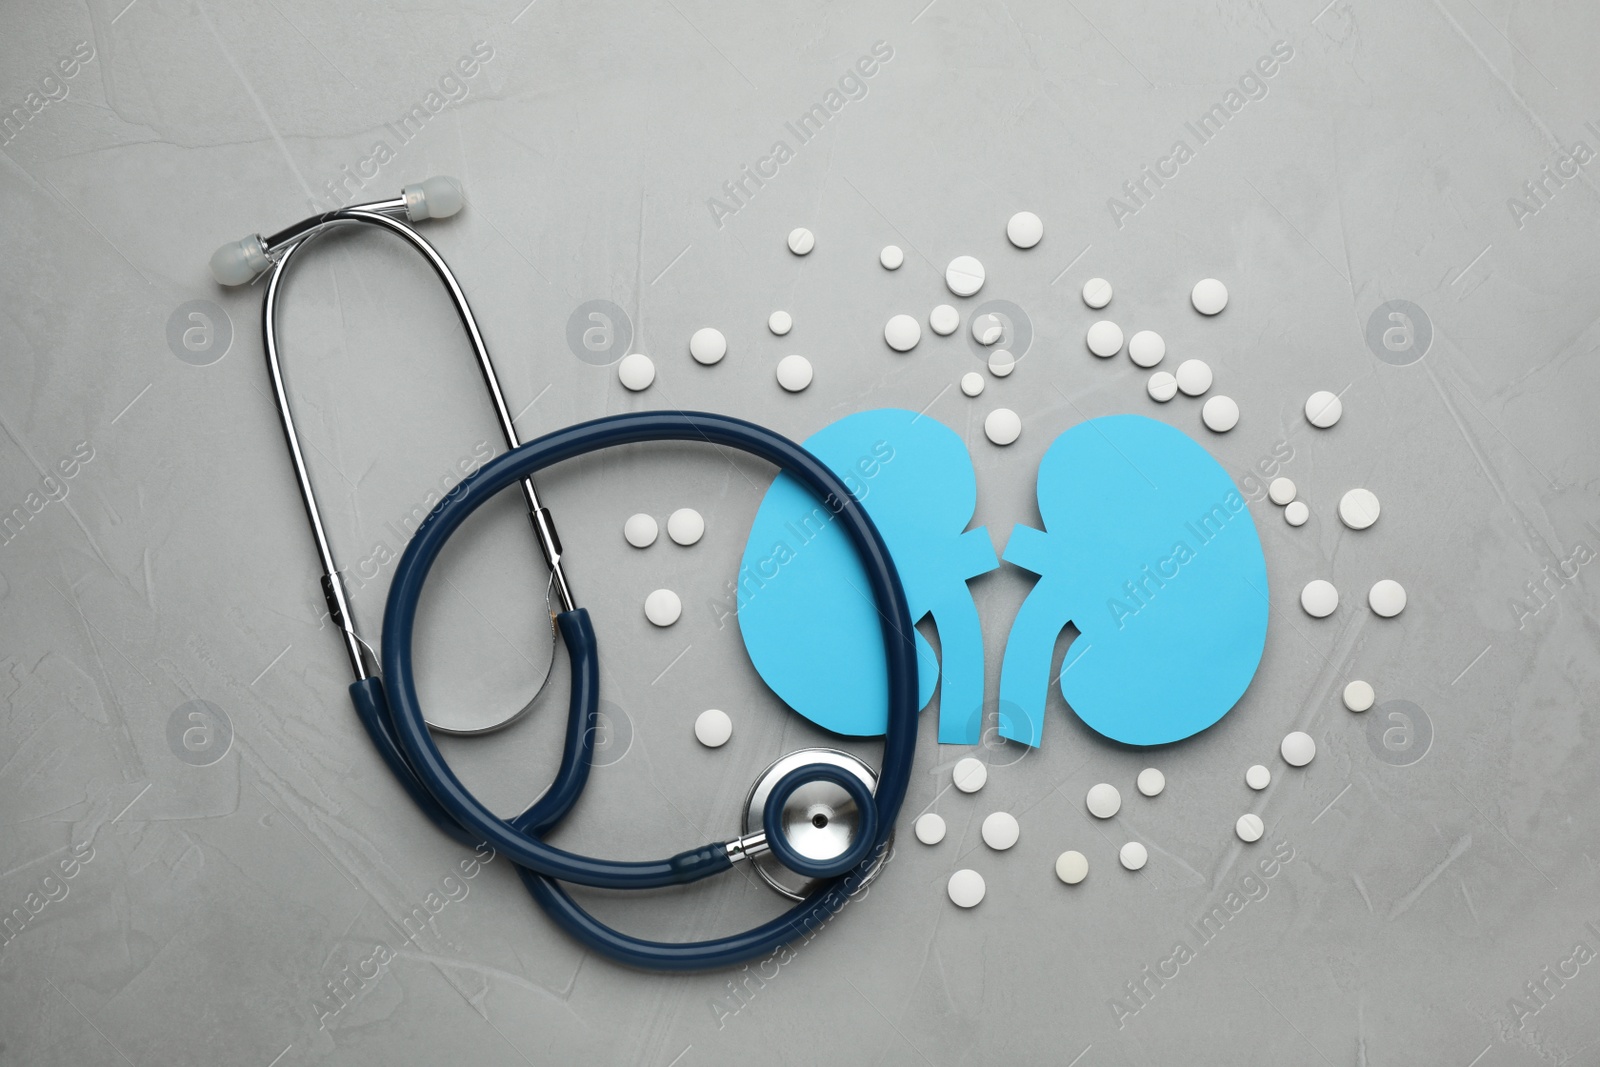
point(817, 822)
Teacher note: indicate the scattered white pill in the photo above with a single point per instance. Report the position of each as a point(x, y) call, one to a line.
point(1097, 293)
point(1194, 377)
point(1296, 513)
point(1319, 598)
point(1220, 414)
point(1024, 229)
point(1146, 348)
point(987, 329)
point(1323, 409)
point(1103, 800)
point(1000, 830)
point(640, 530)
point(1358, 696)
point(686, 526)
point(1298, 749)
point(663, 607)
point(1387, 598)
point(1258, 777)
point(1072, 867)
point(902, 333)
point(794, 373)
point(1282, 491)
point(780, 322)
point(801, 240)
point(1162, 387)
point(1003, 426)
point(713, 728)
point(1151, 782)
point(972, 383)
point(970, 774)
point(964, 275)
point(966, 888)
point(891, 257)
point(1001, 363)
point(1133, 855)
point(929, 828)
point(1249, 827)
point(1209, 296)
point(1104, 338)
point(944, 319)
point(708, 346)
point(636, 371)
point(1358, 508)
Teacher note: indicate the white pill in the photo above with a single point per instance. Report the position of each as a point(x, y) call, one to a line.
point(713, 728)
point(794, 373)
point(966, 888)
point(1146, 348)
point(1072, 867)
point(1358, 508)
point(1296, 513)
point(1258, 777)
point(1249, 827)
point(801, 240)
point(1220, 414)
point(1387, 598)
point(1162, 387)
point(987, 329)
point(891, 257)
point(929, 828)
point(1104, 338)
point(1103, 800)
point(944, 319)
point(1001, 363)
point(1323, 409)
point(1133, 855)
point(780, 322)
point(1097, 293)
point(1282, 490)
point(964, 276)
point(902, 333)
point(970, 774)
point(1319, 598)
point(708, 346)
point(1209, 296)
point(1298, 749)
point(1003, 426)
point(1000, 830)
point(663, 607)
point(972, 383)
point(1151, 782)
point(685, 526)
point(640, 530)
point(636, 371)
point(1358, 696)
point(1194, 377)
point(1024, 229)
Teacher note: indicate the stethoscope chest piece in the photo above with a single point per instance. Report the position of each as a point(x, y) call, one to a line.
point(820, 819)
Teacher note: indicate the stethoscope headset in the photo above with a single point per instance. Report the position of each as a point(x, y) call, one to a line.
point(817, 822)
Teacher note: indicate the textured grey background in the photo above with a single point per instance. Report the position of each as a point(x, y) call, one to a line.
point(221, 888)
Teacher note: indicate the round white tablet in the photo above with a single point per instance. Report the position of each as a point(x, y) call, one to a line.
point(685, 526)
point(1097, 293)
point(1000, 830)
point(663, 607)
point(1151, 782)
point(1024, 229)
point(713, 728)
point(902, 333)
point(1249, 827)
point(1001, 363)
point(1387, 598)
point(1146, 348)
point(1104, 338)
point(801, 240)
point(1296, 513)
point(708, 346)
point(1282, 491)
point(1072, 867)
point(944, 319)
point(972, 383)
point(891, 257)
point(1162, 387)
point(1319, 598)
point(964, 276)
point(1103, 800)
point(640, 530)
point(1323, 409)
point(987, 329)
point(1358, 508)
point(966, 888)
point(970, 774)
point(1220, 414)
point(794, 373)
point(1358, 696)
point(780, 322)
point(1003, 426)
point(1133, 855)
point(1298, 749)
point(1194, 377)
point(929, 828)
point(1209, 296)
point(636, 371)
point(1258, 777)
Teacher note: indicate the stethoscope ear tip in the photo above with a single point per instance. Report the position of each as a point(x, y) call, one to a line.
point(433, 198)
point(238, 262)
